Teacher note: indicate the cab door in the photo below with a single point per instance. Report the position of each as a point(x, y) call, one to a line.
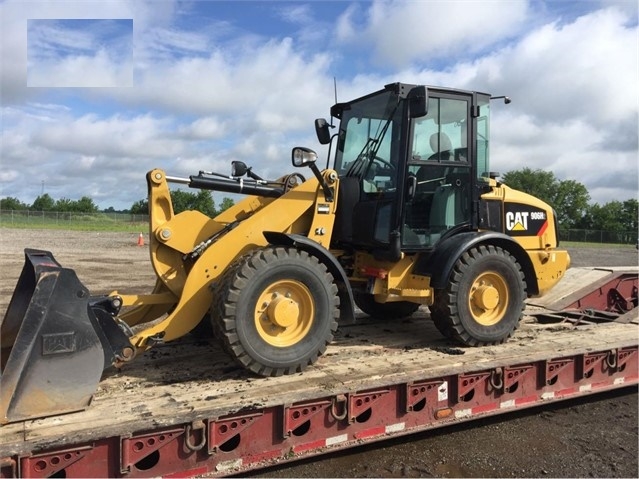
point(439, 171)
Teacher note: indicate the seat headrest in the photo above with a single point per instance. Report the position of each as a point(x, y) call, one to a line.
point(440, 142)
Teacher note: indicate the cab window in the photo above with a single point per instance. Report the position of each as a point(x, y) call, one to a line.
point(440, 165)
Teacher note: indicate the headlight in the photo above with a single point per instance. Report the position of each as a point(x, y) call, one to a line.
point(238, 168)
point(303, 156)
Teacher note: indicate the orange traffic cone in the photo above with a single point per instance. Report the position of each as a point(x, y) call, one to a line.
point(141, 240)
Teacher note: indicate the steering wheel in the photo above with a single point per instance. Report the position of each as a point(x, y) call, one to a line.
point(386, 165)
point(384, 162)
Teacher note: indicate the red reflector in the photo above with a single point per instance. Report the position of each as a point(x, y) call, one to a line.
point(375, 272)
point(443, 413)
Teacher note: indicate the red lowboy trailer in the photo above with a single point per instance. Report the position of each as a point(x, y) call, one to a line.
point(170, 415)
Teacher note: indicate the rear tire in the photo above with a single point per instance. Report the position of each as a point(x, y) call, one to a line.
point(441, 321)
point(390, 310)
point(484, 300)
point(277, 310)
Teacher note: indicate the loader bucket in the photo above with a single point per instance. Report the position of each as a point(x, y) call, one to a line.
point(56, 341)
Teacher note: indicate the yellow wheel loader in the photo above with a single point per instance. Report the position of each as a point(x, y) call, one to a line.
point(409, 214)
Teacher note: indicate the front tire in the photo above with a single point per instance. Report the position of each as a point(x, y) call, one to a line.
point(484, 300)
point(277, 310)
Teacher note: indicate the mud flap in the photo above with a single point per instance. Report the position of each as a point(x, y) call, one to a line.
point(56, 341)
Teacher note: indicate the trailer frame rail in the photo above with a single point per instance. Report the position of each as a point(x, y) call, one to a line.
point(262, 437)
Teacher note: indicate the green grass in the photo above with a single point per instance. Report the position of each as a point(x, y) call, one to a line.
point(75, 221)
point(70, 226)
point(126, 223)
point(579, 244)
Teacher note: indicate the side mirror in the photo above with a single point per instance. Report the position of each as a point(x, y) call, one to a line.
point(303, 156)
point(418, 102)
point(322, 131)
point(238, 168)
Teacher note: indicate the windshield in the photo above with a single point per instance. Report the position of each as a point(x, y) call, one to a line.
point(365, 148)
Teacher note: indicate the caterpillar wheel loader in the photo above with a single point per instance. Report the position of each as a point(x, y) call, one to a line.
point(409, 214)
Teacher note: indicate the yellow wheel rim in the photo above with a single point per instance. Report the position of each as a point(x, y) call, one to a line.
point(284, 313)
point(488, 298)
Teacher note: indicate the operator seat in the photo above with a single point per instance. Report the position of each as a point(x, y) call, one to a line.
point(442, 146)
point(429, 178)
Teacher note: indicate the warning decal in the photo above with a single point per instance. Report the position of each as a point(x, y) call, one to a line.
point(525, 220)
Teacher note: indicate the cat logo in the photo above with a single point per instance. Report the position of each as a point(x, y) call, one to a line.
point(525, 220)
point(517, 221)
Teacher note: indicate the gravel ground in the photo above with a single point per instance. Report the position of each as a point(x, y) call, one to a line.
point(591, 437)
point(604, 256)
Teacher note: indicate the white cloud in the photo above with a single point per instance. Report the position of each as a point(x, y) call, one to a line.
point(48, 37)
point(575, 91)
point(297, 14)
point(587, 68)
point(14, 15)
point(164, 43)
point(218, 91)
point(266, 81)
point(401, 32)
point(142, 136)
point(80, 53)
point(206, 128)
point(630, 7)
point(580, 83)
point(85, 163)
point(8, 175)
point(99, 70)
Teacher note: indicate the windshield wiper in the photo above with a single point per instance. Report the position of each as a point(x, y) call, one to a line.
point(358, 165)
point(370, 149)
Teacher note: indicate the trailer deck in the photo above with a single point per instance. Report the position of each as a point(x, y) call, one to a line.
point(185, 409)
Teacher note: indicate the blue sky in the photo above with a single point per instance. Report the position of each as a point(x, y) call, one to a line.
point(95, 93)
point(56, 46)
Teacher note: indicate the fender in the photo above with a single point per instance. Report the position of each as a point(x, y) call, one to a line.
point(439, 264)
point(345, 293)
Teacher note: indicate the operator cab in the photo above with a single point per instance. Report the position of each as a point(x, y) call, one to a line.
point(412, 164)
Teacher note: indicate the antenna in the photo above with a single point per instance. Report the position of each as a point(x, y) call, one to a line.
point(330, 144)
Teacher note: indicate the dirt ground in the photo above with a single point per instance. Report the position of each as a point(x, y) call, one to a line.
point(592, 437)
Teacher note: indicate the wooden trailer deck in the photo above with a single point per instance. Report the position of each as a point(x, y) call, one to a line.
point(194, 379)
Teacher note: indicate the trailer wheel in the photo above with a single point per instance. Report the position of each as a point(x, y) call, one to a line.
point(484, 300)
point(392, 310)
point(277, 310)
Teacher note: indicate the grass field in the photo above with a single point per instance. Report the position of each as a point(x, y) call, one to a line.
point(76, 222)
point(128, 223)
point(585, 244)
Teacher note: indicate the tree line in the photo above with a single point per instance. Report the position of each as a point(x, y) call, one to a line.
point(182, 201)
point(571, 202)
point(569, 198)
point(185, 201)
point(45, 202)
